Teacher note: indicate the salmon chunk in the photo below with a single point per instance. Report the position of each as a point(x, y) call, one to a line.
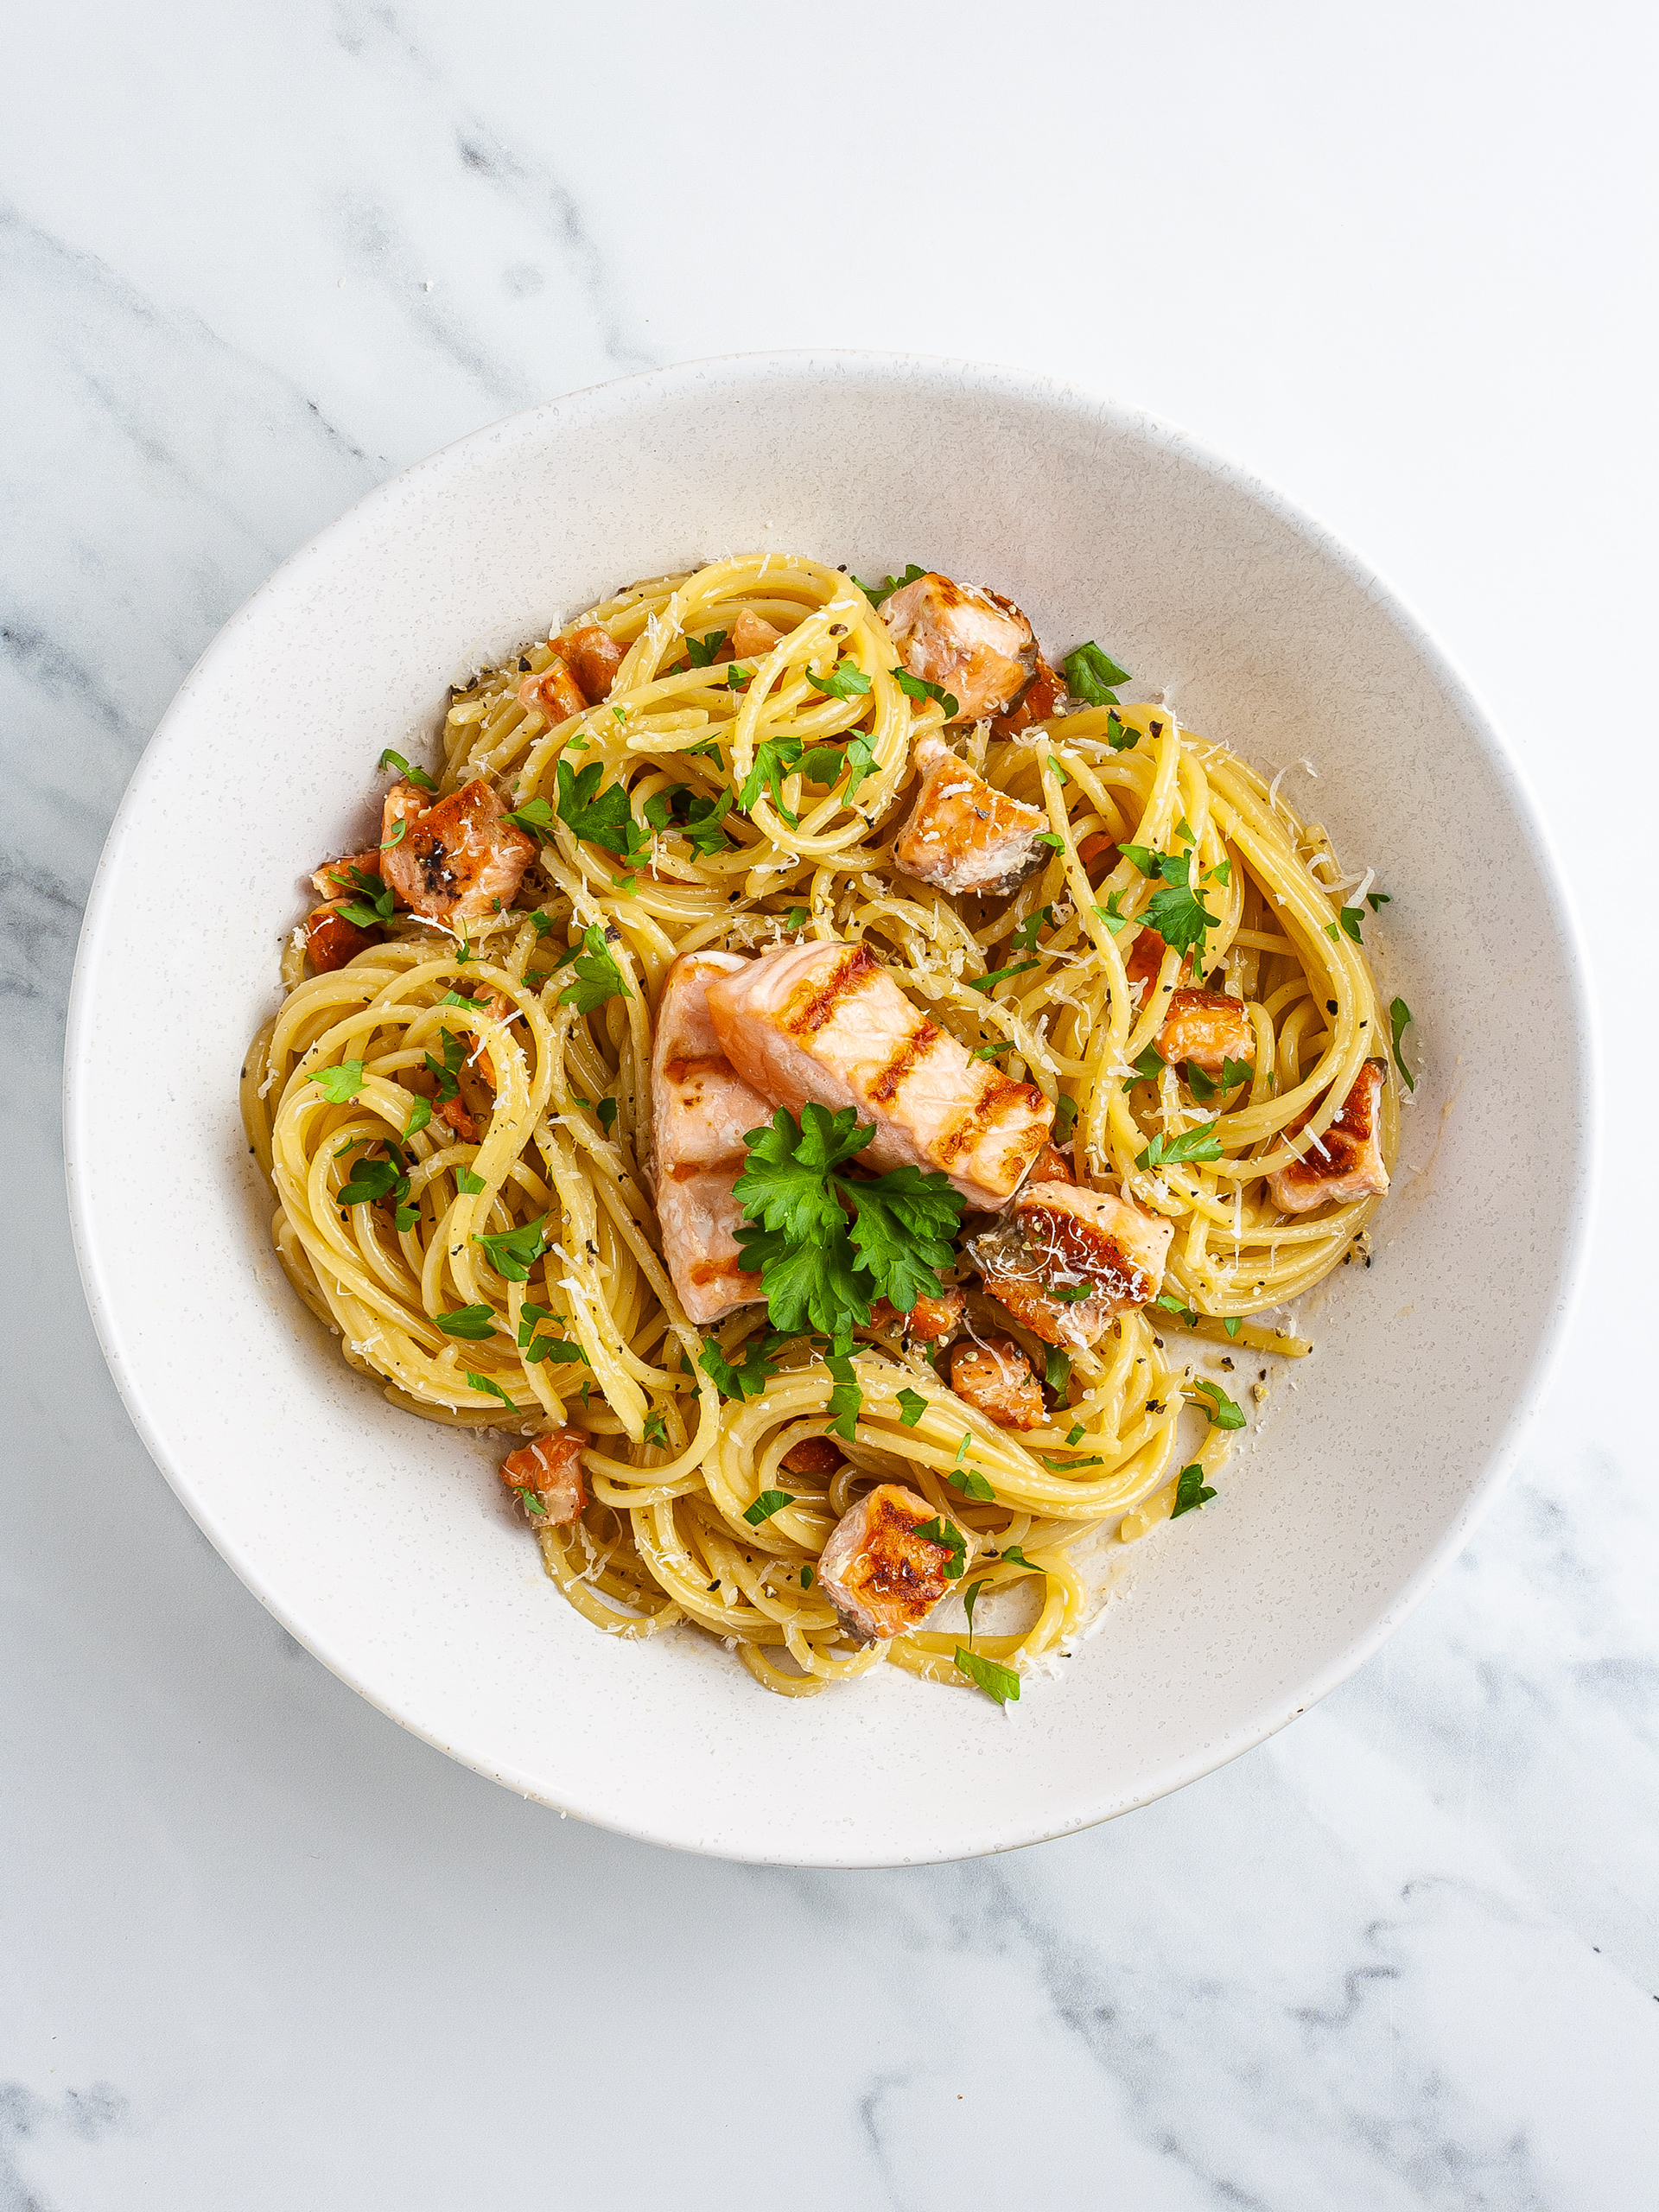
point(975, 644)
point(455, 860)
point(700, 1110)
point(1346, 1162)
point(1206, 1027)
point(813, 1455)
point(1043, 698)
point(997, 1378)
point(547, 1476)
point(1061, 1238)
point(592, 656)
point(752, 636)
point(963, 834)
point(930, 1320)
point(1147, 957)
point(878, 1572)
point(555, 693)
point(824, 1022)
point(331, 940)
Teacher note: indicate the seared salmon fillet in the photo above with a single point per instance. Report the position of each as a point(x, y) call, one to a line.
point(1206, 1027)
point(700, 1110)
point(825, 1022)
point(1346, 1162)
point(975, 645)
point(1064, 1238)
point(547, 1476)
point(880, 1576)
point(555, 693)
point(592, 656)
point(930, 1320)
point(963, 834)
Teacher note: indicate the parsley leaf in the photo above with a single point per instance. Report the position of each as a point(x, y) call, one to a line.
point(1350, 918)
point(420, 1113)
point(559, 1350)
point(447, 1070)
point(1377, 900)
point(737, 679)
point(1015, 1557)
point(475, 1322)
point(876, 593)
point(418, 777)
point(989, 1674)
point(702, 825)
point(1399, 1020)
point(999, 975)
point(1148, 1068)
point(846, 680)
point(1191, 1490)
point(969, 1599)
point(493, 1389)
point(911, 1406)
point(768, 1503)
point(1232, 1325)
point(1057, 1372)
point(1066, 1117)
point(532, 1503)
point(599, 979)
point(950, 1538)
point(1201, 1143)
point(1205, 1088)
point(1224, 1413)
point(917, 687)
point(808, 1577)
point(602, 818)
point(529, 1315)
point(775, 758)
point(846, 1400)
point(467, 1184)
point(1090, 675)
point(340, 1085)
point(1171, 1304)
point(1024, 937)
point(819, 1270)
point(1180, 917)
point(701, 651)
point(1120, 736)
point(514, 1252)
point(535, 817)
point(1070, 1293)
point(1113, 915)
point(970, 1480)
point(750, 1379)
point(372, 1181)
point(656, 1430)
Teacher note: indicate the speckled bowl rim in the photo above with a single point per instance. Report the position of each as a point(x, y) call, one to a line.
point(597, 406)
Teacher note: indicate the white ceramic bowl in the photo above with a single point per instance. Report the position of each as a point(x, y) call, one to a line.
point(383, 1542)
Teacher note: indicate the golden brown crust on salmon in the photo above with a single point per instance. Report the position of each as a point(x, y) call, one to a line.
point(549, 1469)
point(1346, 1162)
point(964, 835)
point(456, 860)
point(1062, 1238)
point(877, 1573)
point(996, 1377)
point(1208, 1028)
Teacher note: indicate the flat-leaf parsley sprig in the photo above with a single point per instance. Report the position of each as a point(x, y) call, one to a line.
point(828, 1245)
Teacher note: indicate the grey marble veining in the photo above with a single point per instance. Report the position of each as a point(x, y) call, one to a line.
point(259, 1948)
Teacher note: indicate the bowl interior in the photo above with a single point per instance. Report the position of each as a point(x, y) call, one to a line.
point(382, 1542)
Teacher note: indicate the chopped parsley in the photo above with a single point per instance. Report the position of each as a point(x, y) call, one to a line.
point(475, 1322)
point(598, 977)
point(917, 687)
point(1000, 975)
point(768, 1503)
point(1056, 1371)
point(468, 1184)
point(1171, 1304)
point(846, 680)
point(1205, 1088)
point(418, 777)
point(1015, 1557)
point(1192, 1144)
point(341, 1084)
point(751, 1378)
point(1232, 1325)
point(420, 1113)
point(558, 1350)
point(845, 1399)
point(701, 651)
point(876, 593)
point(1399, 1021)
point(1224, 1414)
point(514, 1252)
point(1191, 1491)
point(1070, 1293)
point(1377, 900)
point(973, 1483)
point(1024, 937)
point(529, 1500)
point(656, 1431)
point(447, 1070)
point(1066, 1117)
point(372, 1180)
point(1090, 674)
point(602, 818)
point(737, 679)
point(535, 817)
point(911, 1406)
point(775, 758)
point(1120, 736)
point(949, 1538)
point(492, 1389)
point(1112, 913)
point(997, 1681)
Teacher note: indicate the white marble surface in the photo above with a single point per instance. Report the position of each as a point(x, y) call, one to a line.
point(259, 1949)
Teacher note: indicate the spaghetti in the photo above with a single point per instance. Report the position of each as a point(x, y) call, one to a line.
point(761, 801)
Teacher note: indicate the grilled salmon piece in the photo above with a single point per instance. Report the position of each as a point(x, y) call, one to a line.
point(555, 693)
point(752, 636)
point(880, 1576)
point(700, 1110)
point(997, 1378)
point(975, 644)
point(813, 1455)
point(1051, 1165)
point(1346, 1162)
point(331, 940)
point(825, 1022)
point(1041, 700)
point(1206, 1027)
point(1062, 1237)
point(1147, 957)
point(592, 656)
point(963, 834)
point(456, 860)
point(930, 1320)
point(549, 1471)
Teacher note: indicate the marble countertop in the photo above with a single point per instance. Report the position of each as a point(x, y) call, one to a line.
point(259, 1948)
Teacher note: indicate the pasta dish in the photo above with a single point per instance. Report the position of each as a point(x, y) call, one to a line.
point(846, 1095)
